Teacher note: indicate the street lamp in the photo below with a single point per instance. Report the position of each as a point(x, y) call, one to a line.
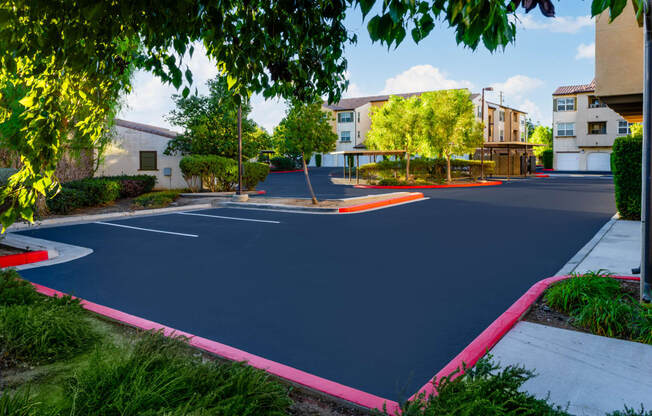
point(482, 119)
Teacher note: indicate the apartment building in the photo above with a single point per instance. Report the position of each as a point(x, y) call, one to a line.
point(584, 129)
point(351, 122)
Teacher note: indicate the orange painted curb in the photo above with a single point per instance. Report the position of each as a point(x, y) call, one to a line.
point(377, 204)
point(23, 258)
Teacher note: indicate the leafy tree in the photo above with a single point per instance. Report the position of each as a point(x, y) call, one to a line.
point(210, 124)
point(306, 130)
point(541, 135)
point(398, 125)
point(450, 125)
point(60, 59)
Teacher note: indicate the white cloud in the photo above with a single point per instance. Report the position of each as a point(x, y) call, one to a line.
point(517, 87)
point(534, 112)
point(585, 51)
point(560, 24)
point(422, 78)
point(267, 113)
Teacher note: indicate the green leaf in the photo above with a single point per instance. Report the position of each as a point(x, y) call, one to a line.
point(598, 6)
point(616, 8)
point(372, 27)
point(365, 6)
point(27, 101)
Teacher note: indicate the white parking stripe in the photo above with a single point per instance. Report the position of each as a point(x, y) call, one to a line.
point(145, 229)
point(228, 218)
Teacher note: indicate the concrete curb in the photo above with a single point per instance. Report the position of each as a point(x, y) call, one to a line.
point(81, 219)
point(218, 194)
point(57, 252)
point(577, 259)
point(277, 207)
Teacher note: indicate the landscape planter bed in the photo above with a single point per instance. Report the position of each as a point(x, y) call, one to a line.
point(458, 185)
point(286, 171)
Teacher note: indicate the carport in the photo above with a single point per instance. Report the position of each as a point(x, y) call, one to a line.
point(511, 158)
point(363, 152)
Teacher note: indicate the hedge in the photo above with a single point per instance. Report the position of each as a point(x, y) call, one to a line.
point(318, 160)
point(429, 169)
point(219, 173)
point(283, 163)
point(98, 191)
point(627, 160)
point(547, 156)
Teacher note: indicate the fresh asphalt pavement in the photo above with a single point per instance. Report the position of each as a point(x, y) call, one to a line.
point(379, 301)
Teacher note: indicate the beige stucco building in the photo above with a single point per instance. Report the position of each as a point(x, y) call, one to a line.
point(138, 149)
point(351, 122)
point(584, 129)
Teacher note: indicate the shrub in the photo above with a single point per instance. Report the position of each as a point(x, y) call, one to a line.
point(97, 191)
point(66, 201)
point(318, 160)
point(547, 156)
point(216, 172)
point(19, 404)
point(570, 295)
point(607, 317)
point(16, 291)
point(253, 174)
point(159, 377)
point(484, 389)
point(283, 163)
point(159, 199)
point(44, 332)
point(627, 157)
point(133, 185)
point(426, 169)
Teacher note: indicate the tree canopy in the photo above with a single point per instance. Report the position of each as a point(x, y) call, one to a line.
point(63, 62)
point(210, 124)
point(541, 135)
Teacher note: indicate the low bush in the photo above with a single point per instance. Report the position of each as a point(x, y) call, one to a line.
point(433, 170)
point(547, 157)
point(133, 185)
point(66, 201)
point(253, 174)
point(16, 291)
point(159, 199)
point(284, 163)
point(627, 158)
point(159, 377)
point(216, 172)
point(607, 317)
point(570, 295)
point(318, 160)
point(485, 389)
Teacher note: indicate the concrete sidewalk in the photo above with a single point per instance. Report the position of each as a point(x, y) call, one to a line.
point(593, 375)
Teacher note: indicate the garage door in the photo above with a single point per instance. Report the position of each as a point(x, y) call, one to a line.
point(598, 162)
point(568, 161)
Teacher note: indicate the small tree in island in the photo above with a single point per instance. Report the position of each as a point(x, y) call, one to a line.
point(449, 124)
point(305, 130)
point(398, 125)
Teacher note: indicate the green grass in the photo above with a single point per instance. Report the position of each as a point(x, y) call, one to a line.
point(595, 302)
point(15, 291)
point(158, 199)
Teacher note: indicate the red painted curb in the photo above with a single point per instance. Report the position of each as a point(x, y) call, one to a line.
point(377, 204)
point(461, 185)
point(291, 374)
point(23, 258)
point(540, 175)
point(548, 170)
point(286, 171)
point(261, 192)
point(494, 332)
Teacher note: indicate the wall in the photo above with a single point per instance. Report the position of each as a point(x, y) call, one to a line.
point(123, 157)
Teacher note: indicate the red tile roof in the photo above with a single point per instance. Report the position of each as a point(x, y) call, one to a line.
point(353, 103)
point(575, 89)
point(160, 131)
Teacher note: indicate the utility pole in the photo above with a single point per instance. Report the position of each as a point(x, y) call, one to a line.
point(646, 206)
point(483, 127)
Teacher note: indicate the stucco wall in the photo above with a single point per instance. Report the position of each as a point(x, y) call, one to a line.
point(123, 157)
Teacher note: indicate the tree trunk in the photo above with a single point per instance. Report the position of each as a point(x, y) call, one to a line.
point(407, 167)
point(305, 171)
point(448, 169)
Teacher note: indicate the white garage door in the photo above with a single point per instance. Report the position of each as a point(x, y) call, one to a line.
point(598, 162)
point(568, 161)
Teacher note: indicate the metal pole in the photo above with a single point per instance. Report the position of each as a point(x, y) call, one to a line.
point(239, 149)
point(646, 208)
point(482, 154)
point(357, 167)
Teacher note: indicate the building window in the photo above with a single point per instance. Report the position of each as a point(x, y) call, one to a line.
point(501, 116)
point(565, 104)
point(345, 117)
point(147, 160)
point(345, 136)
point(624, 127)
point(358, 134)
point(502, 135)
point(565, 129)
point(594, 102)
point(479, 111)
point(358, 116)
point(598, 127)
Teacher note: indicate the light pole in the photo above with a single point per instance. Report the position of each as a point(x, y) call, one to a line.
point(646, 208)
point(482, 120)
point(239, 192)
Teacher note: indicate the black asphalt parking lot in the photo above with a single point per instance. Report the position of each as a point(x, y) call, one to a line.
point(379, 301)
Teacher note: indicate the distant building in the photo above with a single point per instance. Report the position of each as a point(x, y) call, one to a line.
point(584, 129)
point(352, 121)
point(138, 149)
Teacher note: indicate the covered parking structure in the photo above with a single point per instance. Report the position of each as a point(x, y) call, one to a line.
point(363, 152)
point(511, 158)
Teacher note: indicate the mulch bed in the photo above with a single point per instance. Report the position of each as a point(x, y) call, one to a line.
point(542, 313)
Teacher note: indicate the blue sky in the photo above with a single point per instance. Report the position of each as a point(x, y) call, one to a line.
point(547, 53)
